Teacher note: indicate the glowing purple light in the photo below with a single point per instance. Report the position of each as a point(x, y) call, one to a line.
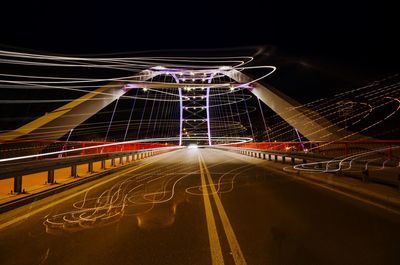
point(130, 86)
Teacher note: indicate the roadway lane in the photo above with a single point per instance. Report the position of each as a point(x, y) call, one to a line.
point(156, 212)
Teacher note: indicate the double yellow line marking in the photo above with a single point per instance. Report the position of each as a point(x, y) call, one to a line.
point(215, 246)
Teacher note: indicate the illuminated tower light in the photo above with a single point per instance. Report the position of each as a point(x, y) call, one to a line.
point(145, 89)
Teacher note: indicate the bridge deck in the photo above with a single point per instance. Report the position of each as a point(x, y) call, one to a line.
point(193, 206)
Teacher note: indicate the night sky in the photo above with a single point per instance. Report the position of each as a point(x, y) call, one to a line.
point(343, 30)
point(318, 47)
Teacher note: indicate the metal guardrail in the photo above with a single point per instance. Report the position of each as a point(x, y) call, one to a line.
point(273, 155)
point(362, 174)
point(20, 169)
point(54, 149)
point(384, 149)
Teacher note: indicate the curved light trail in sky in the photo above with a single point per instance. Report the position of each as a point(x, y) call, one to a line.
point(231, 108)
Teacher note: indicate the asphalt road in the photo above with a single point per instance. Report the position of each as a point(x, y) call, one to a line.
point(199, 206)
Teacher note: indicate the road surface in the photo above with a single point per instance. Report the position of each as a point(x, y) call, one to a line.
point(199, 206)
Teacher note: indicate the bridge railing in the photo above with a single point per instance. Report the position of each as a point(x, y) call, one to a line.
point(53, 149)
point(49, 156)
point(375, 160)
point(369, 149)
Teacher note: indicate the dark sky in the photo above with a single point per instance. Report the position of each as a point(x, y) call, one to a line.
point(345, 30)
